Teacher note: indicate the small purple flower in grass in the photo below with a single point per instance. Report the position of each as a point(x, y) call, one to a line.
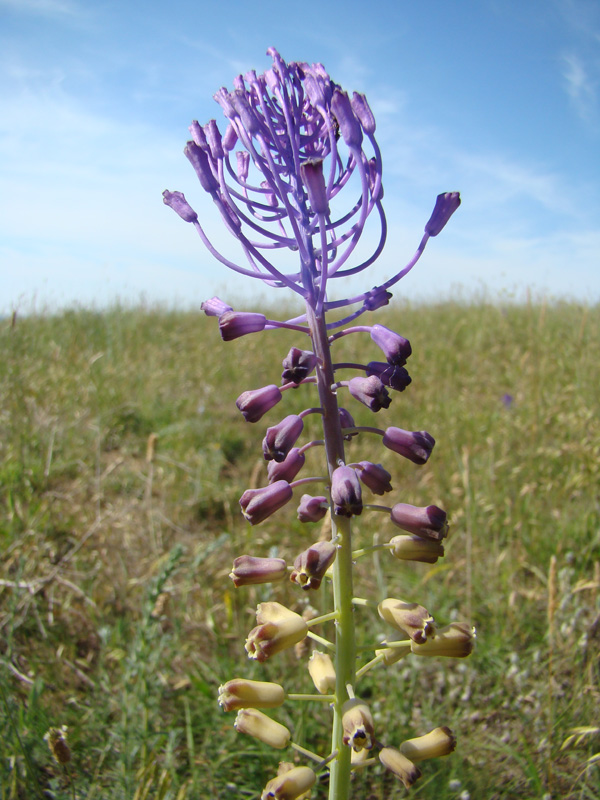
point(375, 477)
point(288, 468)
point(507, 400)
point(430, 522)
point(445, 205)
point(215, 307)
point(396, 378)
point(251, 570)
point(258, 504)
point(312, 509)
point(297, 365)
point(177, 201)
point(233, 324)
point(414, 445)
point(255, 403)
point(395, 348)
point(371, 392)
point(280, 439)
point(312, 564)
point(345, 492)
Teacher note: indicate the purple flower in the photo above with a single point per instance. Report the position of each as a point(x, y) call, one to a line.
point(258, 504)
point(250, 570)
point(414, 445)
point(345, 492)
point(396, 378)
point(395, 348)
point(288, 468)
point(255, 403)
point(233, 324)
point(177, 201)
point(312, 175)
point(347, 421)
point(312, 564)
point(445, 205)
point(375, 298)
point(312, 509)
point(280, 439)
point(297, 365)
point(215, 307)
point(375, 477)
point(429, 522)
point(371, 392)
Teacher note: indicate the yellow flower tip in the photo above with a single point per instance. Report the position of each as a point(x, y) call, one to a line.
point(262, 727)
point(357, 724)
point(322, 672)
point(57, 742)
point(402, 767)
point(410, 618)
point(290, 785)
point(278, 628)
point(241, 693)
point(435, 744)
point(456, 640)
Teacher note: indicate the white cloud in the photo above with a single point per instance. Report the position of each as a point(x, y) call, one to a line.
point(580, 87)
point(49, 8)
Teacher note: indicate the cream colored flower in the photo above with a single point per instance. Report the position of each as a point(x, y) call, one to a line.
point(322, 672)
point(289, 786)
point(241, 693)
point(262, 727)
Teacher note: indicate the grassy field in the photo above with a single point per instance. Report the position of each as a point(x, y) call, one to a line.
point(118, 620)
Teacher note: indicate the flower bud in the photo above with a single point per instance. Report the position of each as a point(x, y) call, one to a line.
point(297, 365)
point(215, 307)
point(252, 570)
point(395, 348)
point(375, 477)
point(312, 177)
point(177, 201)
point(278, 628)
point(280, 438)
point(438, 742)
point(445, 205)
point(414, 445)
point(410, 618)
point(262, 727)
point(357, 724)
point(229, 138)
point(311, 565)
point(241, 693)
point(201, 164)
point(400, 765)
point(255, 403)
point(347, 421)
point(429, 521)
point(288, 468)
point(363, 111)
point(415, 548)
point(213, 137)
point(375, 298)
point(456, 640)
point(233, 324)
point(290, 785)
point(258, 504)
point(371, 392)
point(345, 492)
point(322, 672)
point(349, 125)
point(312, 509)
point(397, 378)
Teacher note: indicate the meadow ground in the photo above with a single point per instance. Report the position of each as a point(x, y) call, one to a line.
point(122, 458)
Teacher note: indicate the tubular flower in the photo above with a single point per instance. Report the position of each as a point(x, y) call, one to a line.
point(410, 618)
point(414, 445)
point(347, 421)
point(280, 439)
point(251, 570)
point(241, 693)
point(371, 392)
point(438, 742)
point(233, 324)
point(445, 205)
point(255, 403)
point(312, 509)
point(297, 365)
point(322, 672)
point(456, 640)
point(258, 504)
point(414, 548)
point(396, 348)
point(311, 565)
point(215, 307)
point(278, 628)
point(357, 722)
point(262, 727)
point(290, 785)
point(399, 765)
point(177, 201)
point(397, 378)
point(428, 521)
point(288, 468)
point(375, 477)
point(345, 492)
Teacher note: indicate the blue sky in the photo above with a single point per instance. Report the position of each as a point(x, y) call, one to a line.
point(496, 98)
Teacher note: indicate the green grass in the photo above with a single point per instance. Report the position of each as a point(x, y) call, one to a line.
point(117, 617)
